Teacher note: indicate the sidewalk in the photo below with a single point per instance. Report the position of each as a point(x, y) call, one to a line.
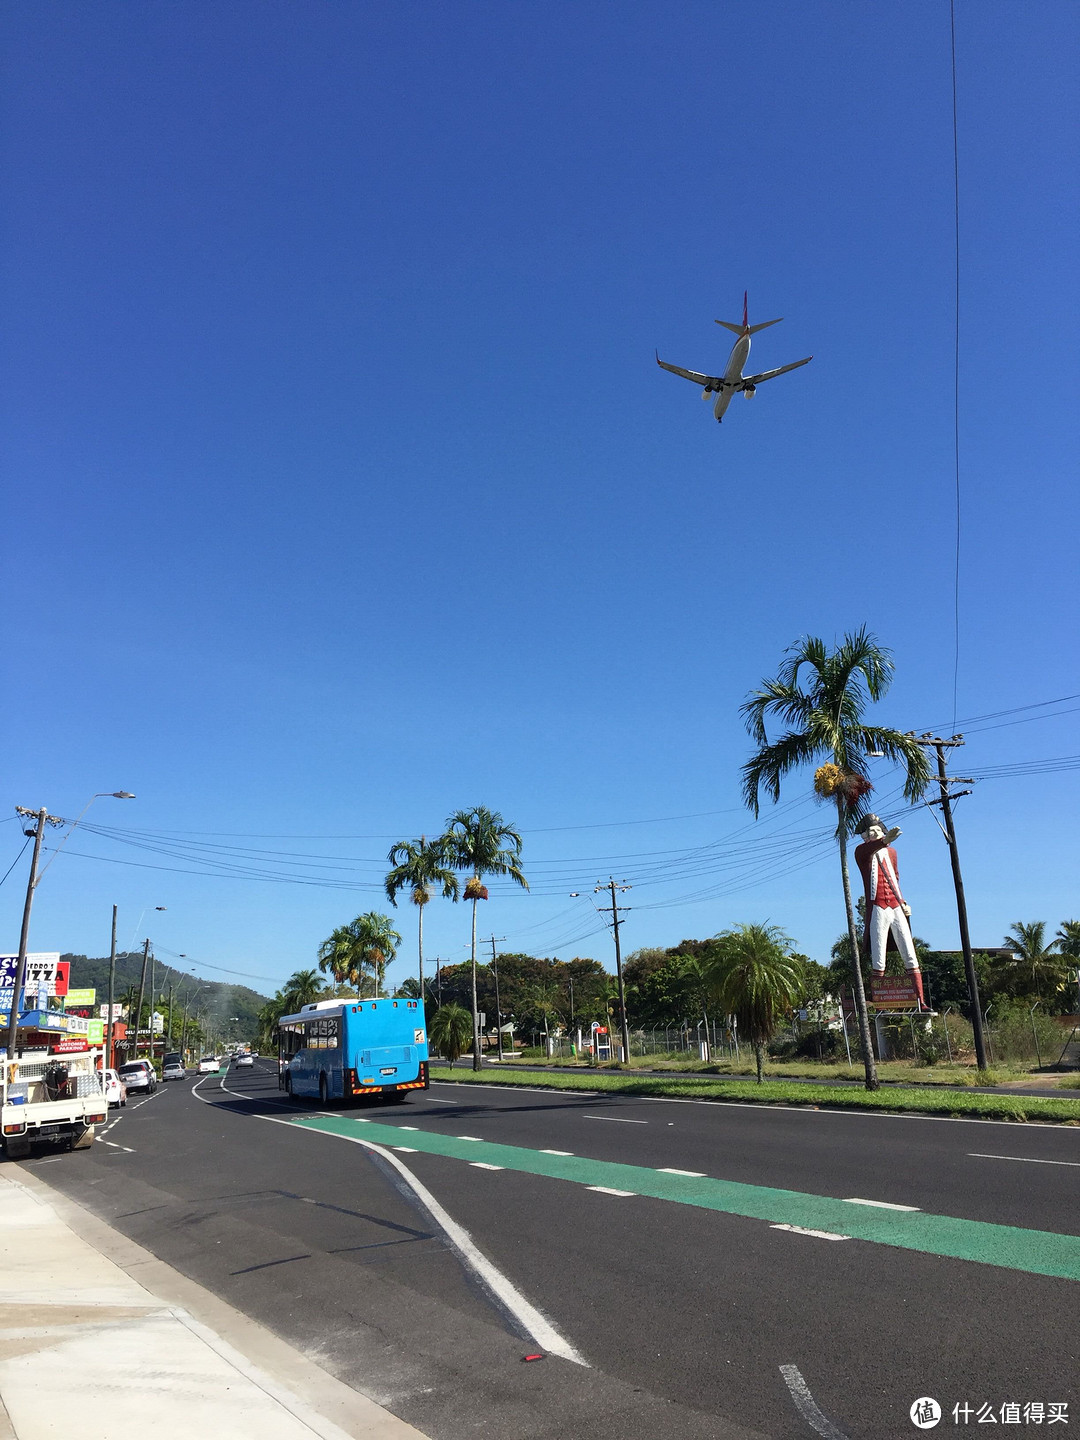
point(98, 1339)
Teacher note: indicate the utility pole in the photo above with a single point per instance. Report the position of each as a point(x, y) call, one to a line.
point(170, 1015)
point(112, 986)
point(615, 922)
point(142, 991)
point(498, 1008)
point(945, 799)
point(41, 819)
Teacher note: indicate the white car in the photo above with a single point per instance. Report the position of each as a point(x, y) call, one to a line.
point(138, 1075)
point(173, 1070)
point(244, 1060)
point(209, 1065)
point(115, 1089)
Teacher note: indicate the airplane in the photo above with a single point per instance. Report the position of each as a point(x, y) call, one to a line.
point(725, 386)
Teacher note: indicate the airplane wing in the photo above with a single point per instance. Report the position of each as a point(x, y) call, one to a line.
point(712, 382)
point(768, 374)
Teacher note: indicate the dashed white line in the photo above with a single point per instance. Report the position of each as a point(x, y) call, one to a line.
point(615, 1119)
point(469, 1137)
point(555, 1152)
point(1027, 1159)
point(483, 1165)
point(405, 1149)
point(881, 1204)
point(693, 1174)
point(817, 1234)
point(606, 1190)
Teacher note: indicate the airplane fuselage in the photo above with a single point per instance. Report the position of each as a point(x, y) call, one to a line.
point(732, 376)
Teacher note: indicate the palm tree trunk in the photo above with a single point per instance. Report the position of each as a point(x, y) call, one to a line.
point(872, 1081)
point(420, 952)
point(475, 1010)
point(759, 1056)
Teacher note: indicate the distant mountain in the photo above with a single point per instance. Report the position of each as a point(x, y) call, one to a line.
point(219, 1000)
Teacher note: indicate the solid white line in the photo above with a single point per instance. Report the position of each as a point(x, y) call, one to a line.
point(807, 1406)
point(881, 1204)
point(807, 1109)
point(817, 1234)
point(483, 1165)
point(536, 1324)
point(606, 1190)
point(693, 1174)
point(555, 1152)
point(1027, 1159)
point(615, 1119)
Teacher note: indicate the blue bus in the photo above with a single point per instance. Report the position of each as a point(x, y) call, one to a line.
point(337, 1049)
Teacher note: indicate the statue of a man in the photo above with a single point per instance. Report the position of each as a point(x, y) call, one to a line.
point(886, 912)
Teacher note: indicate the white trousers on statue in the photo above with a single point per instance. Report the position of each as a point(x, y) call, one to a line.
point(884, 918)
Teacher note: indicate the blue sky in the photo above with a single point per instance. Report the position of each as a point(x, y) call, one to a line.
point(344, 491)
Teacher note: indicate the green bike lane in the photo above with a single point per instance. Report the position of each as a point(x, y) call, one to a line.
point(1036, 1252)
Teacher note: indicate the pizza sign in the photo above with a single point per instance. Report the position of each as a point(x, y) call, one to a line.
point(46, 973)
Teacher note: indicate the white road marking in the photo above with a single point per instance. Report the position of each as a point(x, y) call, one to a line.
point(615, 1119)
point(408, 1127)
point(817, 1234)
point(881, 1204)
point(405, 1149)
point(555, 1152)
point(469, 1137)
point(694, 1174)
point(483, 1165)
point(807, 1406)
point(433, 1101)
point(535, 1324)
point(1027, 1159)
point(806, 1109)
point(606, 1190)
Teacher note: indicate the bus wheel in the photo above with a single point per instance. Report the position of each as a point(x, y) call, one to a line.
point(324, 1091)
point(288, 1084)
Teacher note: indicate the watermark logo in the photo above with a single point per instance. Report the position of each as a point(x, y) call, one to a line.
point(925, 1413)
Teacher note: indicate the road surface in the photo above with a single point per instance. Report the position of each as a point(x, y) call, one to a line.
point(686, 1269)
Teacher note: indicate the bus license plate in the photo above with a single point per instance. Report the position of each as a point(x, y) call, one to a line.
point(388, 1070)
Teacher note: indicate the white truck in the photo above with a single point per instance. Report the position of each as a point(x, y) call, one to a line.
point(50, 1098)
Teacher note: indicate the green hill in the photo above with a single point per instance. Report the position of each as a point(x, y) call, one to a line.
point(220, 1001)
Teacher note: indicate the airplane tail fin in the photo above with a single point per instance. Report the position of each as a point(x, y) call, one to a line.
point(746, 328)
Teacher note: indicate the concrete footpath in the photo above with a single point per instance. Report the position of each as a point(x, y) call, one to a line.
point(99, 1340)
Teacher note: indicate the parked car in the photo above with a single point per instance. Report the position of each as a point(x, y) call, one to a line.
point(172, 1068)
point(244, 1060)
point(138, 1075)
point(209, 1065)
point(115, 1089)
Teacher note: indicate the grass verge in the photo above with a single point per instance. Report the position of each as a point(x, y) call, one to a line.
point(958, 1103)
point(898, 1071)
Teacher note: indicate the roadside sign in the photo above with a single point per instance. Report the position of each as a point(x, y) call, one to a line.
point(893, 993)
point(95, 1032)
point(45, 973)
point(80, 997)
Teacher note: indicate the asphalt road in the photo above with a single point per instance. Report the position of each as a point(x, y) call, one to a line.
point(679, 1291)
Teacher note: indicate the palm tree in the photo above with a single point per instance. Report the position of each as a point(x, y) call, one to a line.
point(363, 947)
point(481, 842)
point(420, 867)
point(756, 979)
point(335, 954)
point(1027, 941)
point(449, 1031)
point(825, 720)
point(1068, 939)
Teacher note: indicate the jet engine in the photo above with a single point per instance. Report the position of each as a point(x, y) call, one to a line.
point(749, 391)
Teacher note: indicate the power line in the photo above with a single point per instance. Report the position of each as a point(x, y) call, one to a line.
point(956, 361)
